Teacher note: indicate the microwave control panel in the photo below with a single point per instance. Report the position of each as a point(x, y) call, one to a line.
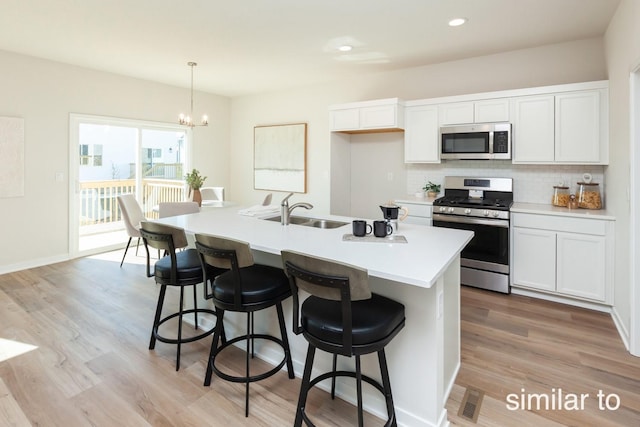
point(501, 141)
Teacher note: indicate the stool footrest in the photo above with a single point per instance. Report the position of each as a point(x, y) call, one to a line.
point(253, 378)
point(164, 339)
point(351, 374)
point(392, 418)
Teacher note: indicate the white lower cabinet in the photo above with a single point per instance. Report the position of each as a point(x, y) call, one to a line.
point(419, 213)
point(581, 269)
point(534, 260)
point(563, 255)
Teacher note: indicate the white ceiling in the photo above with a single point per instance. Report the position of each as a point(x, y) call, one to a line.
point(250, 46)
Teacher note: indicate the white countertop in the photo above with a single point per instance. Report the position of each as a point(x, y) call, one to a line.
point(548, 209)
point(420, 261)
point(414, 199)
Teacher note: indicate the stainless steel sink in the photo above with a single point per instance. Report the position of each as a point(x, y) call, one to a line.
point(324, 223)
point(310, 222)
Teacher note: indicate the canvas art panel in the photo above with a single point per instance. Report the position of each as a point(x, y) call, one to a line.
point(280, 157)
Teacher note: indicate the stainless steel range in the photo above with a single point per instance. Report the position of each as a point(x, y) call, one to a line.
point(480, 205)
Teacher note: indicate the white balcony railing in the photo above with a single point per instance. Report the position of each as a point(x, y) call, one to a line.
point(99, 203)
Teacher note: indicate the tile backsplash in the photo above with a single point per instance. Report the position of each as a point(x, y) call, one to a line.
point(531, 183)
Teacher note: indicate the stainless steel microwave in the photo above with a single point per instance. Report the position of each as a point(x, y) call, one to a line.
point(483, 141)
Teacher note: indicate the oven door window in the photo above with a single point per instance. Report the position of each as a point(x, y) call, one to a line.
point(489, 243)
point(473, 142)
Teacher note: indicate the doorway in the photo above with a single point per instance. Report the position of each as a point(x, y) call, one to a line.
point(110, 157)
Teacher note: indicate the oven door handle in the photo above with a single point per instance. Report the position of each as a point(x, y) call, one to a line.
point(471, 220)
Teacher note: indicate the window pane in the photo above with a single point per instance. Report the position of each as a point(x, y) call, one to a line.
point(163, 171)
point(106, 171)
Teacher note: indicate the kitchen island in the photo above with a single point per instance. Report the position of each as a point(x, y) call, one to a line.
point(423, 274)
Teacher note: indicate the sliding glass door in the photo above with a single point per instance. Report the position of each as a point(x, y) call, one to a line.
point(110, 157)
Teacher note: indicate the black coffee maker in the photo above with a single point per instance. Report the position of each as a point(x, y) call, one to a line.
point(391, 214)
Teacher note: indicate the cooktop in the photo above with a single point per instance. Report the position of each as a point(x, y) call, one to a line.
point(460, 201)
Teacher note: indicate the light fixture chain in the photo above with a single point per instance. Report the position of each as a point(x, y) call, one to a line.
point(192, 64)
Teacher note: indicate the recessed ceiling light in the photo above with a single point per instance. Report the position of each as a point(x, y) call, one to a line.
point(456, 22)
point(345, 48)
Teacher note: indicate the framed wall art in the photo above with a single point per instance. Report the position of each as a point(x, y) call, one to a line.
point(280, 161)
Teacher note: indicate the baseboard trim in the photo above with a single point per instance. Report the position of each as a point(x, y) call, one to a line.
point(34, 263)
point(561, 299)
point(622, 330)
point(452, 382)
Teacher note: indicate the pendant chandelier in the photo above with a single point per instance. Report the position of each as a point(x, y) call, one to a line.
point(188, 119)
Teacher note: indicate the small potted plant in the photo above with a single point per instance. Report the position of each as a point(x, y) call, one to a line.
point(431, 189)
point(195, 181)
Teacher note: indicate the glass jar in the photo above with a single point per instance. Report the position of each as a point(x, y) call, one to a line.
point(589, 195)
point(560, 196)
point(573, 202)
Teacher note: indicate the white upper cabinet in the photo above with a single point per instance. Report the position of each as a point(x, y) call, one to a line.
point(533, 138)
point(345, 119)
point(485, 111)
point(566, 128)
point(456, 113)
point(421, 144)
point(384, 115)
point(491, 110)
point(562, 124)
point(578, 127)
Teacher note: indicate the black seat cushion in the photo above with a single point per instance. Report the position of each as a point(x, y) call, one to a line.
point(189, 267)
point(372, 319)
point(260, 284)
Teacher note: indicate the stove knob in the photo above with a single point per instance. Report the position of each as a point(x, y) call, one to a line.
point(485, 212)
point(451, 210)
point(467, 211)
point(496, 214)
point(442, 209)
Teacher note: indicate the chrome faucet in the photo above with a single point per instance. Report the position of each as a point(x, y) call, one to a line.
point(285, 210)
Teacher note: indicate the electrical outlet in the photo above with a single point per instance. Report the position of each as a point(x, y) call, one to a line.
point(59, 177)
point(389, 176)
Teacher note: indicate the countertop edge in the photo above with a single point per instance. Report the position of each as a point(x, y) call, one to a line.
point(416, 200)
point(399, 263)
point(543, 209)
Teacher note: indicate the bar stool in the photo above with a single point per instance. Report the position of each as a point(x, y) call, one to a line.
point(341, 317)
point(246, 287)
point(182, 269)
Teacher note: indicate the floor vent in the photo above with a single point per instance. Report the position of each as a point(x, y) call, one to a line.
point(470, 406)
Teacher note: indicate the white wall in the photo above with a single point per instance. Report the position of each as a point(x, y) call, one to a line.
point(622, 53)
point(34, 228)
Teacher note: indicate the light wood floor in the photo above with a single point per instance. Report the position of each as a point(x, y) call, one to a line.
point(90, 321)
